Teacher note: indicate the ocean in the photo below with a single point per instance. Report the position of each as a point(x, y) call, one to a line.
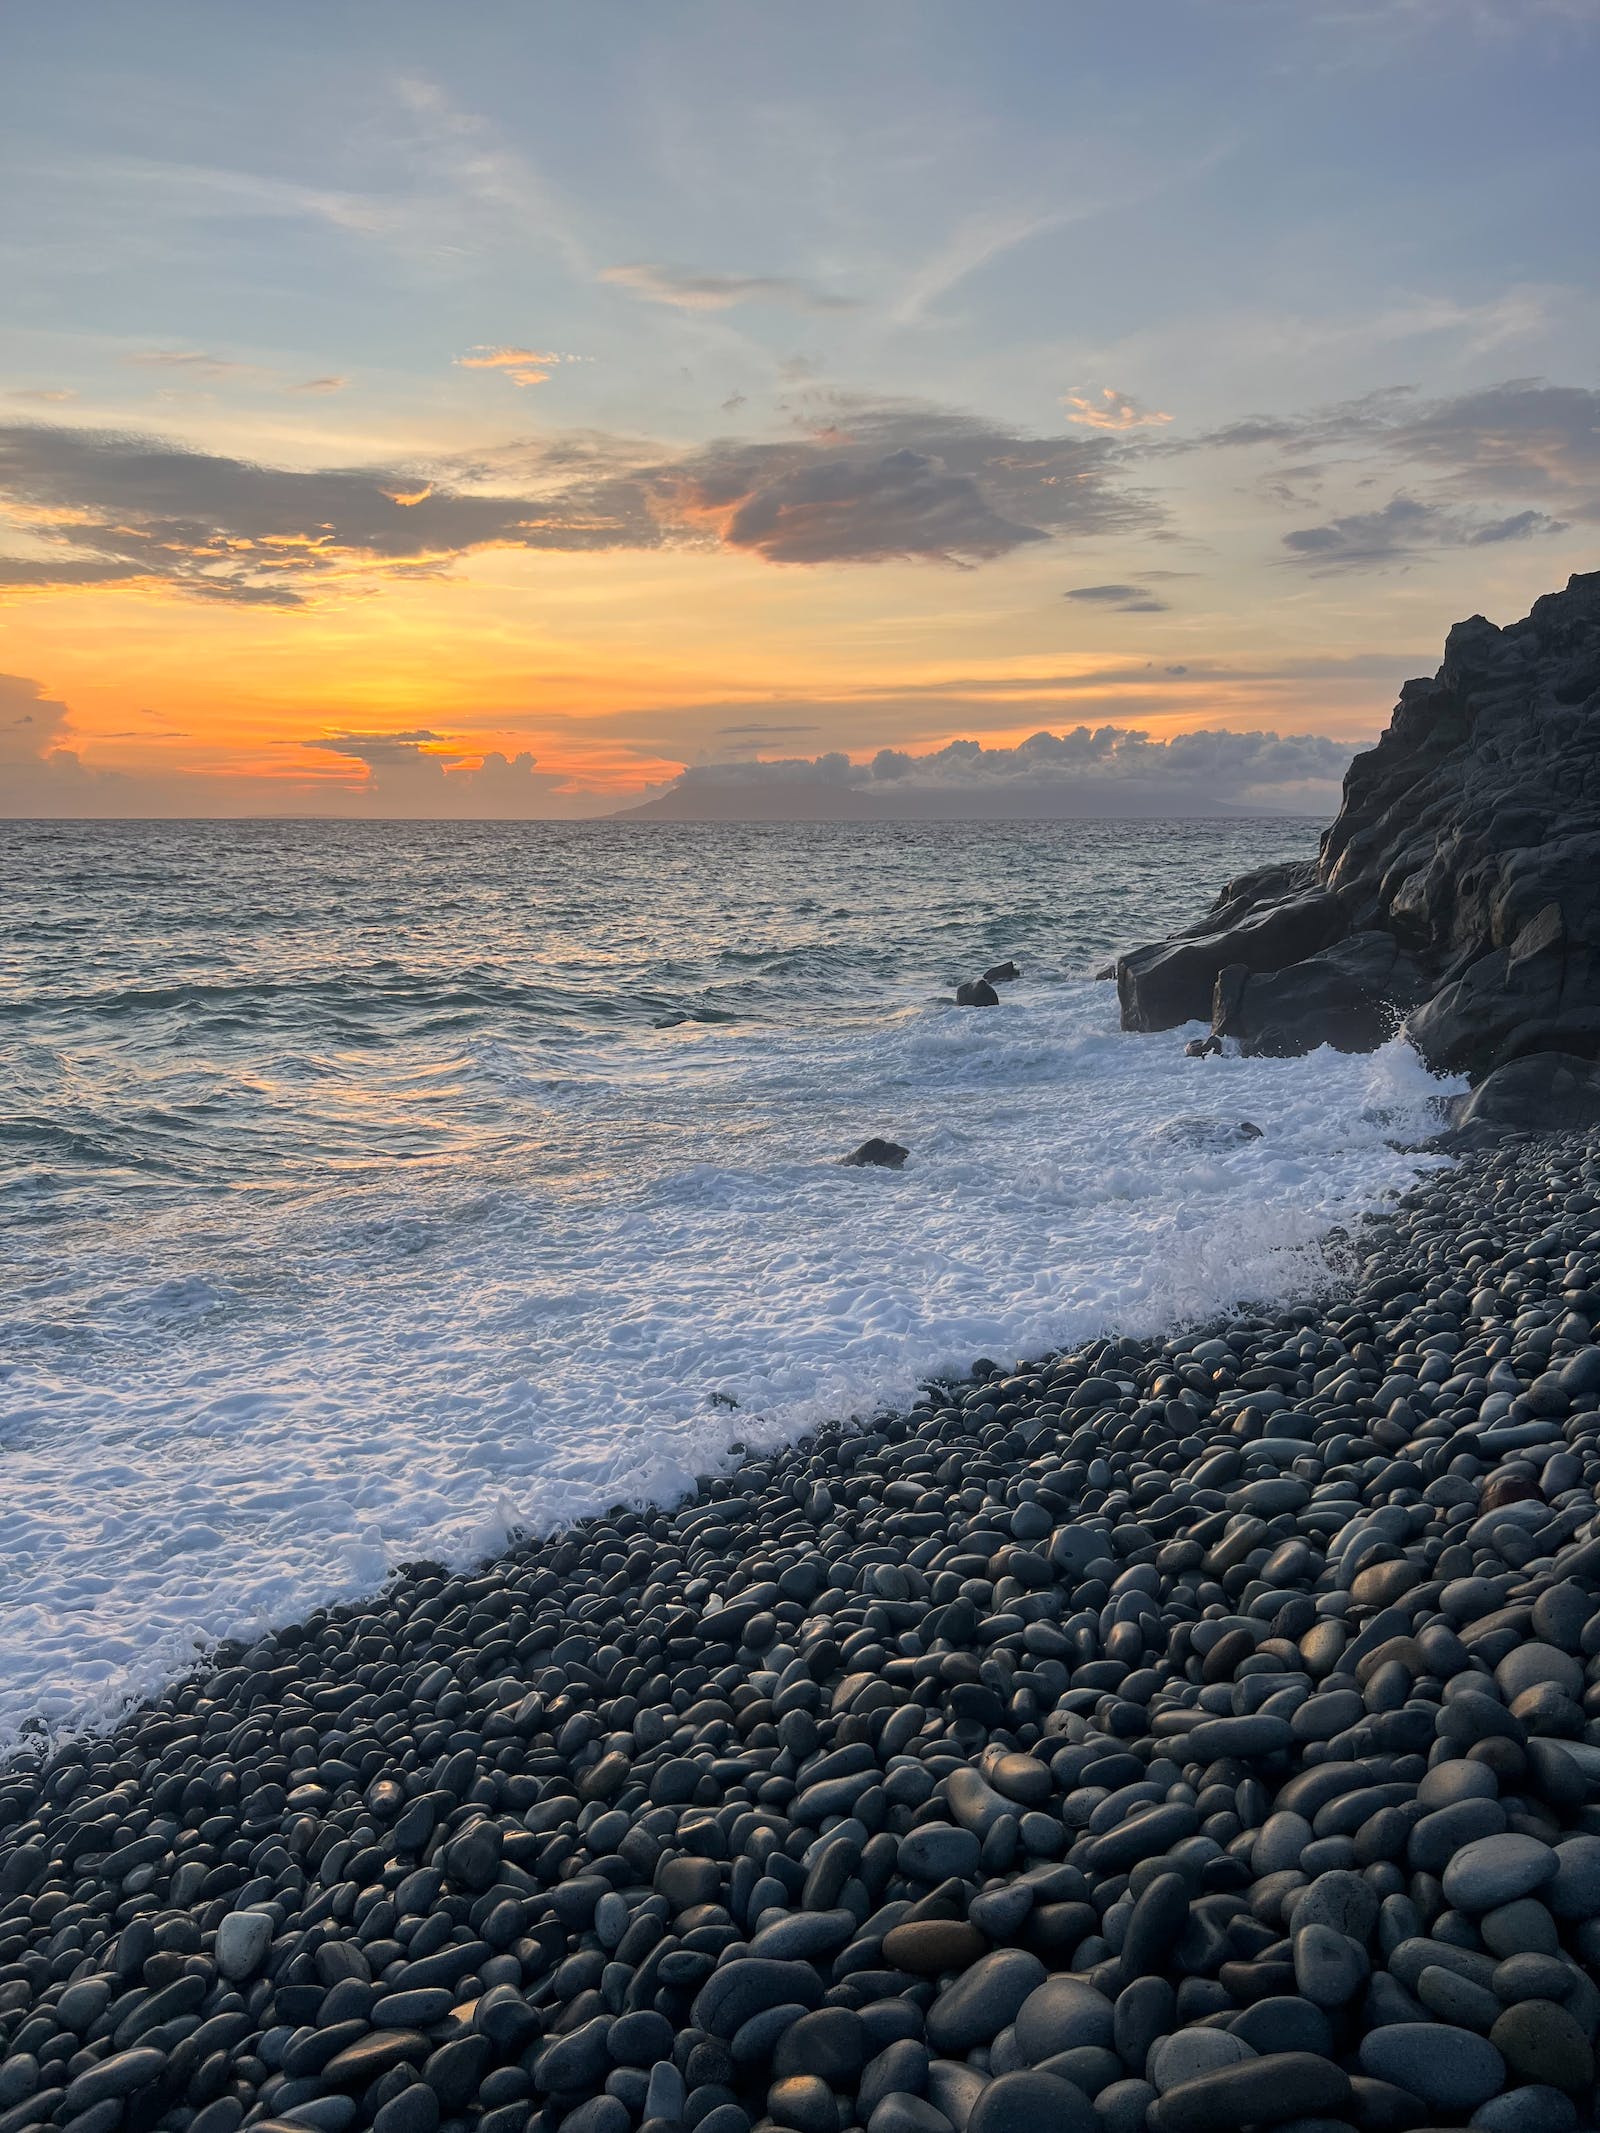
point(370, 1192)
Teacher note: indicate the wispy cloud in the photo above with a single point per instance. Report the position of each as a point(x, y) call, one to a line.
point(195, 362)
point(1522, 440)
point(1404, 528)
point(330, 384)
point(976, 240)
point(1125, 599)
point(694, 289)
point(42, 395)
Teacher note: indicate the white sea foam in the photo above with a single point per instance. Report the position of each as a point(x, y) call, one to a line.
point(248, 1404)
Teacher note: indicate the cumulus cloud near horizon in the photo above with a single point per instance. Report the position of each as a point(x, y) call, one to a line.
point(415, 774)
point(1084, 772)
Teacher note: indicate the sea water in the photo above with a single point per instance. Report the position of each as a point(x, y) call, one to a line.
point(371, 1192)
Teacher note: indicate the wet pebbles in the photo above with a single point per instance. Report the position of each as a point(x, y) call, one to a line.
point(1178, 1736)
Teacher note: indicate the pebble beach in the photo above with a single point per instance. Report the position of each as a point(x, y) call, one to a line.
point(1175, 1735)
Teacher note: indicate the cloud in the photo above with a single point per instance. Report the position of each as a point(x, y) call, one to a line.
point(886, 481)
point(224, 529)
point(31, 724)
point(880, 481)
point(195, 361)
point(975, 241)
point(691, 289)
point(42, 396)
point(1103, 771)
point(1125, 599)
point(523, 366)
point(1112, 410)
point(422, 773)
point(416, 775)
point(903, 504)
point(319, 385)
point(1404, 528)
point(1523, 439)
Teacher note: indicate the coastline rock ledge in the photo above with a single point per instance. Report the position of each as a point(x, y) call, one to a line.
point(1456, 897)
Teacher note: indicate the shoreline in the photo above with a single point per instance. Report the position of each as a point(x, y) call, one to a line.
point(785, 1804)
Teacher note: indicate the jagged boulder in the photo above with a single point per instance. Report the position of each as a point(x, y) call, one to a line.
point(1458, 888)
point(1348, 997)
point(875, 1154)
point(1548, 1091)
point(1260, 922)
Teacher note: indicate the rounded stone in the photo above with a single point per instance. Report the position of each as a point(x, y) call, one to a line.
point(1329, 1967)
point(1532, 2109)
point(1029, 2101)
point(1296, 2086)
point(983, 2000)
point(901, 2113)
point(1574, 1890)
point(1497, 1870)
point(1531, 1664)
point(927, 1946)
point(1541, 2042)
point(1450, 2069)
point(1060, 2014)
point(1342, 1899)
point(1189, 2053)
point(937, 1851)
point(804, 2103)
point(243, 1939)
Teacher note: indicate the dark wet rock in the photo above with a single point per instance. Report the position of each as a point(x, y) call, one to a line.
point(1352, 996)
point(976, 992)
point(1025, 2101)
point(1001, 973)
point(1459, 886)
point(876, 1154)
point(1264, 921)
point(1549, 1091)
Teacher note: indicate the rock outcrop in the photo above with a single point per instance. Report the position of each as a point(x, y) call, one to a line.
point(1457, 894)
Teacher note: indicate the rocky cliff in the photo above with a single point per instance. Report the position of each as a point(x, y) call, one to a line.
point(1457, 895)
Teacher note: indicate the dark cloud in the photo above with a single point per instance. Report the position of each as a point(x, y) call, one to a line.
point(1403, 529)
point(871, 483)
point(881, 481)
point(849, 510)
point(1523, 438)
point(1126, 599)
point(1088, 771)
point(1523, 441)
point(690, 289)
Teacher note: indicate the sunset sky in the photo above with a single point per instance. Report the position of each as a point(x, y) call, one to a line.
point(496, 409)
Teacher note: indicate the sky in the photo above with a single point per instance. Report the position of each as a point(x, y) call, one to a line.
point(511, 410)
